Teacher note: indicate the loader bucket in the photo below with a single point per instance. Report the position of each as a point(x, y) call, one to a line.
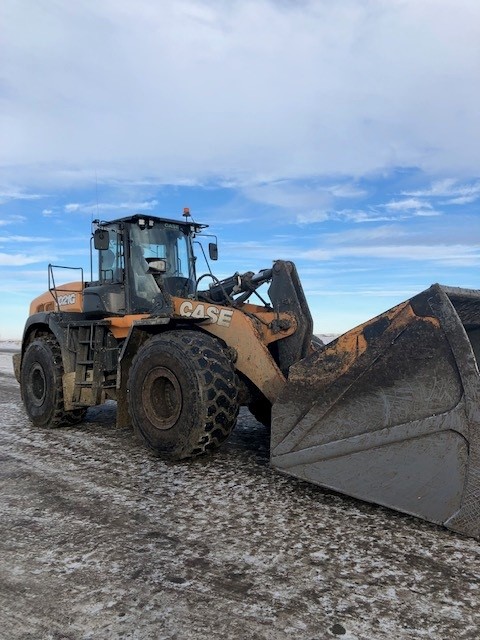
point(390, 411)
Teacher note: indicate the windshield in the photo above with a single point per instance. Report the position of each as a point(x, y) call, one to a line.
point(160, 259)
point(169, 244)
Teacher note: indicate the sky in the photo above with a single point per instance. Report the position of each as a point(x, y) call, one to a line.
point(344, 136)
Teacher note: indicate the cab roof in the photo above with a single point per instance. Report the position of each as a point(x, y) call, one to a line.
point(139, 216)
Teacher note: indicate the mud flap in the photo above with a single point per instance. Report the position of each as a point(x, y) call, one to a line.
point(390, 411)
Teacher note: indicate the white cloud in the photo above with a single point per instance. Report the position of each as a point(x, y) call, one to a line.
point(460, 192)
point(288, 195)
point(381, 292)
point(225, 221)
point(20, 259)
point(10, 194)
point(295, 195)
point(410, 207)
point(242, 253)
point(454, 255)
point(427, 213)
point(360, 216)
point(14, 219)
point(313, 216)
point(304, 202)
point(132, 207)
point(390, 243)
point(189, 90)
point(368, 235)
point(406, 205)
point(22, 239)
point(398, 211)
point(347, 191)
point(26, 280)
point(462, 199)
point(72, 207)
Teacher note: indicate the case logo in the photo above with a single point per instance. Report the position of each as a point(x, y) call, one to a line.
point(222, 317)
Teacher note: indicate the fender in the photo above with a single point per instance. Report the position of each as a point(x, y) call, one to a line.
point(49, 322)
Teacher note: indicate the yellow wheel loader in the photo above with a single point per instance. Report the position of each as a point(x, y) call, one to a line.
point(389, 412)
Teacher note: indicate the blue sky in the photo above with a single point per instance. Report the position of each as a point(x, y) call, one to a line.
point(344, 136)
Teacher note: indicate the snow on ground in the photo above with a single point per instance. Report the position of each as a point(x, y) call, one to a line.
point(9, 345)
point(7, 349)
point(100, 540)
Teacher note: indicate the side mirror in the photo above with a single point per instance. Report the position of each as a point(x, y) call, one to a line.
point(100, 239)
point(213, 250)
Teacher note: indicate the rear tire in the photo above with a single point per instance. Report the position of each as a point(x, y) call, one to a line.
point(41, 385)
point(182, 394)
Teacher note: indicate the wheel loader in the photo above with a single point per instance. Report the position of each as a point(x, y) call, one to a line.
point(389, 412)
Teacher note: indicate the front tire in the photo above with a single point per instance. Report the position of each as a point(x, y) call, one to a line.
point(182, 394)
point(41, 385)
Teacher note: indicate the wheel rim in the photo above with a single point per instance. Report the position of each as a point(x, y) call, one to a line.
point(38, 385)
point(162, 398)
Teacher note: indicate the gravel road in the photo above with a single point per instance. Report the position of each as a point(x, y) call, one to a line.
point(100, 540)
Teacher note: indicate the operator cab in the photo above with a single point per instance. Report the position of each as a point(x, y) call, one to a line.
point(142, 261)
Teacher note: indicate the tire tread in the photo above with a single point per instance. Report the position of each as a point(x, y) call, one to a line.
point(60, 417)
point(218, 385)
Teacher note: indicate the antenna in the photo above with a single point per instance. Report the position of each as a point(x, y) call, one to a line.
point(96, 194)
point(92, 222)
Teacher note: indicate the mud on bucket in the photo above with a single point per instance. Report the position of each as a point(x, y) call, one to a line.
point(390, 411)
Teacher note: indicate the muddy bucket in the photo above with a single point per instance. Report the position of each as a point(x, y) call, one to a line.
point(390, 411)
